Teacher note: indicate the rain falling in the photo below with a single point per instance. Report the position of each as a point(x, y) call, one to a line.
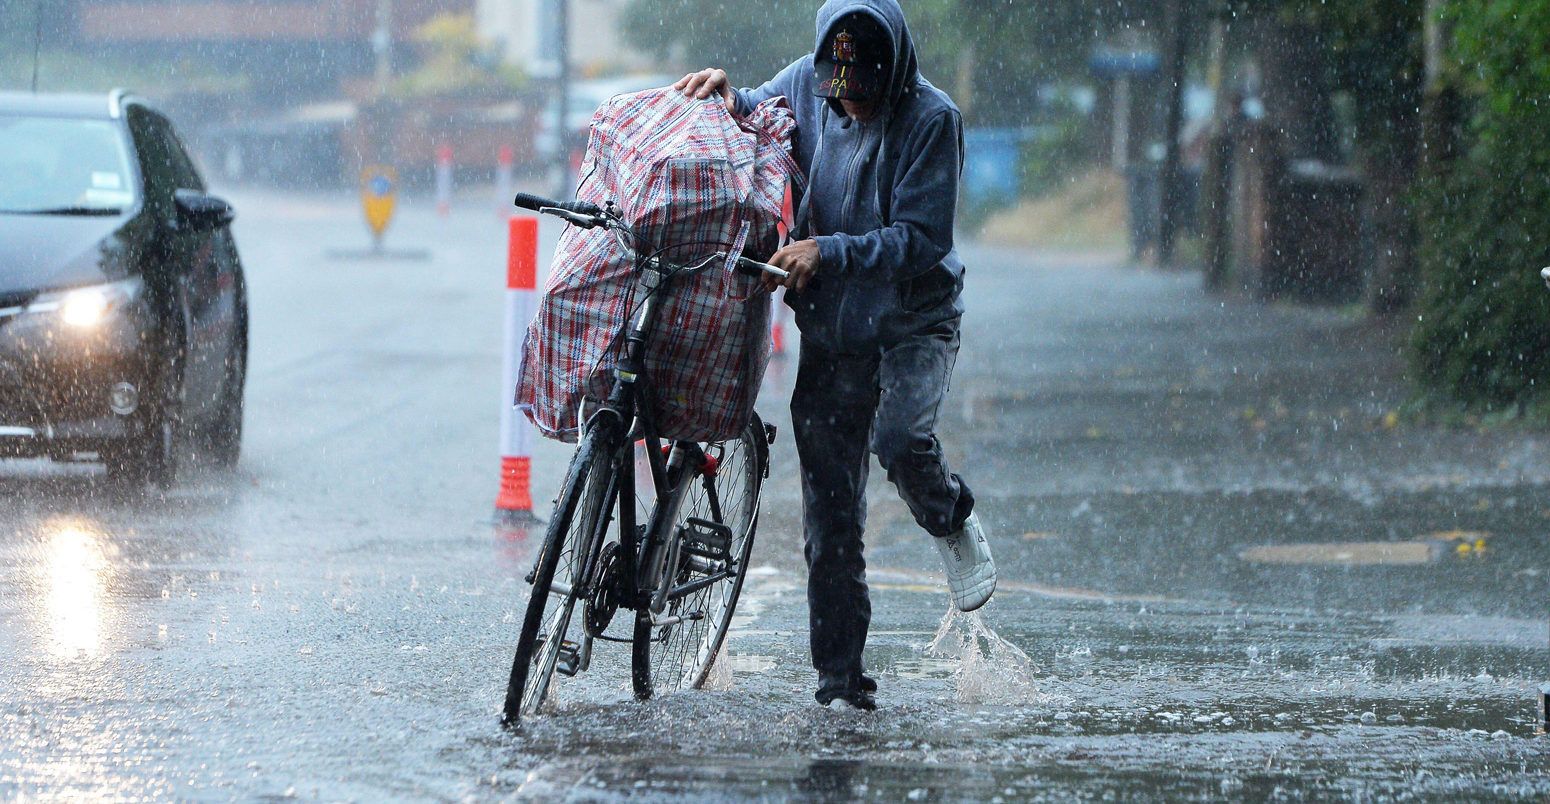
point(774, 400)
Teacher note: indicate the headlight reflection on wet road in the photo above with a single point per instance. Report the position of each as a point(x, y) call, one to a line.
point(73, 581)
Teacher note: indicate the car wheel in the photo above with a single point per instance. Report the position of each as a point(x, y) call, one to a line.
point(150, 458)
point(223, 431)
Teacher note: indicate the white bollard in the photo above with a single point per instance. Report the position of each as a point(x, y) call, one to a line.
point(504, 161)
point(514, 504)
point(444, 180)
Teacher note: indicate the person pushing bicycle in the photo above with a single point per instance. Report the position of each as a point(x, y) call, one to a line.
point(874, 283)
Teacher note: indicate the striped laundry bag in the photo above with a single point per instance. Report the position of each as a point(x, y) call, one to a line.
point(691, 179)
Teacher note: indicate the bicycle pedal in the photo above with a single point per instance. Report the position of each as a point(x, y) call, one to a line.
point(568, 663)
point(707, 539)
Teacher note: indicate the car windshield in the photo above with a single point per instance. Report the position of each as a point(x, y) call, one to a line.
point(63, 165)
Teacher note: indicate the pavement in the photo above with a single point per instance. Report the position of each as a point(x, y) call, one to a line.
point(1228, 571)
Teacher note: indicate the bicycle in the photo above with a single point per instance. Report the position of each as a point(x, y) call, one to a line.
point(681, 570)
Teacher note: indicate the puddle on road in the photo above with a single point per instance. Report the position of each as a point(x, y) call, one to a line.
point(1033, 696)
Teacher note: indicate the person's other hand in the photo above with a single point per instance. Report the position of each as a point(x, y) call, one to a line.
point(705, 83)
point(799, 260)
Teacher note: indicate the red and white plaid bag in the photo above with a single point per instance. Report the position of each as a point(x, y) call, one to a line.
point(689, 177)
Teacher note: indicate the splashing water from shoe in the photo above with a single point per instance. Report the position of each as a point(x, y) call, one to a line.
point(990, 669)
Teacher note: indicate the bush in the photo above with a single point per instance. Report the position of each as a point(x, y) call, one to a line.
point(1483, 335)
point(1053, 156)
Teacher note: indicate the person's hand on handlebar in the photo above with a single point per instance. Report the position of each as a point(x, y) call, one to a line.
point(705, 83)
point(799, 260)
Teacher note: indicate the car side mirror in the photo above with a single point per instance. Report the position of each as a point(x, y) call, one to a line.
point(199, 212)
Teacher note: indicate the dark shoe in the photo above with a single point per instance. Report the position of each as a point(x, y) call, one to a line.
point(854, 698)
point(864, 682)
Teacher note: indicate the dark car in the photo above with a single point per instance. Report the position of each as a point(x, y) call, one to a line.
point(123, 311)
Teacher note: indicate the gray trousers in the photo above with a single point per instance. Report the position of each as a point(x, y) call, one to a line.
point(842, 407)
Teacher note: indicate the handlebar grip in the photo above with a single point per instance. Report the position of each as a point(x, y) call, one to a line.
point(583, 208)
point(533, 202)
point(539, 203)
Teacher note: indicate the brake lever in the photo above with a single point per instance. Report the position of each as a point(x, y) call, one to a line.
point(584, 221)
point(754, 268)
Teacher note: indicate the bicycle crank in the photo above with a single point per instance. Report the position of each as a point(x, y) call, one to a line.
point(603, 601)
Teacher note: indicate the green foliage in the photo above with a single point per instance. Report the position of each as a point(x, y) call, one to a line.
point(1484, 330)
point(750, 41)
point(62, 67)
point(71, 71)
point(454, 59)
point(1057, 151)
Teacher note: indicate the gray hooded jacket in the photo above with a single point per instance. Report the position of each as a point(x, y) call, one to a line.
point(881, 197)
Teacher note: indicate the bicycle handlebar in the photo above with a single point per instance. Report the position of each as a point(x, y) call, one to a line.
point(588, 215)
point(754, 268)
point(539, 204)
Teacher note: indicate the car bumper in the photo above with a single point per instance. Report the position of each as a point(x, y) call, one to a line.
point(56, 387)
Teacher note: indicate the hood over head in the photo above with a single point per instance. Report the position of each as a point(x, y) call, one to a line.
point(890, 16)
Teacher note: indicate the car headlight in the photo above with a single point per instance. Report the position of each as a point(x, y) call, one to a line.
point(86, 307)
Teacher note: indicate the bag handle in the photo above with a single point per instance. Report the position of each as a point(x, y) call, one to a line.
point(789, 163)
point(730, 280)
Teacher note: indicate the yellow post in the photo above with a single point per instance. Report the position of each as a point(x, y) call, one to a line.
point(379, 196)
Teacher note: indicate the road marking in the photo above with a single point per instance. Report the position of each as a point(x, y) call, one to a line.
point(1347, 554)
point(916, 581)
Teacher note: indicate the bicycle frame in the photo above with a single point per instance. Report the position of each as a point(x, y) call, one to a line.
point(662, 561)
point(645, 554)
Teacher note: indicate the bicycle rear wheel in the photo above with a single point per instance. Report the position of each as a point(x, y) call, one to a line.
point(678, 648)
point(549, 641)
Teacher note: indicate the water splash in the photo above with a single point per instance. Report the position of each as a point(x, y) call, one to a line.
point(990, 669)
point(720, 676)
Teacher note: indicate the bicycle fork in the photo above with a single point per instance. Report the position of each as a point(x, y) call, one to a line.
point(663, 548)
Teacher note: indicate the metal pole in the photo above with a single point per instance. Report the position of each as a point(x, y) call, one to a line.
point(1439, 105)
point(1119, 153)
point(382, 43)
point(1432, 26)
point(563, 187)
point(37, 41)
point(1216, 177)
point(1168, 221)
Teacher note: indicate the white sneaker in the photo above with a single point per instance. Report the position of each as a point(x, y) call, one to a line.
point(971, 572)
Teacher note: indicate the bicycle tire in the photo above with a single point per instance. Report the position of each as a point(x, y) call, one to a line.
point(584, 496)
point(682, 655)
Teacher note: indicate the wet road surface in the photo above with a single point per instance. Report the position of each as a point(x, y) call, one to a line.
point(1227, 572)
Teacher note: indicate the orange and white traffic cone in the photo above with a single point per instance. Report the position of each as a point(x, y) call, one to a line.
point(778, 315)
point(514, 503)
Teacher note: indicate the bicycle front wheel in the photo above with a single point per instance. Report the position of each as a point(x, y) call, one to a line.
point(678, 648)
point(549, 641)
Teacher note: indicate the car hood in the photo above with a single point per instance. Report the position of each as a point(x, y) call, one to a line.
point(42, 252)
